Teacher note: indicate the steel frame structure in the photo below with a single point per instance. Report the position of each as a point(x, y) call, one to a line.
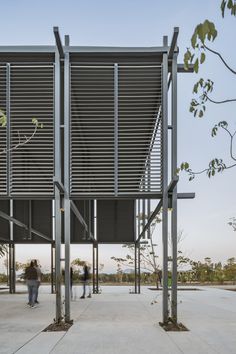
point(131, 177)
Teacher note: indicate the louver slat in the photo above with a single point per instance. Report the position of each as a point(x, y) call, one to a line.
point(32, 96)
point(94, 107)
point(3, 133)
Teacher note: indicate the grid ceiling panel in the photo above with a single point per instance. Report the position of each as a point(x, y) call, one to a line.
point(3, 133)
point(115, 129)
point(32, 96)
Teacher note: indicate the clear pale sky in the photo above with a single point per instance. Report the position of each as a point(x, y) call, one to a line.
point(143, 23)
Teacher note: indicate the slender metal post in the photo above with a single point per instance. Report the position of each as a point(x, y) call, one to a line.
point(9, 269)
point(144, 215)
point(57, 211)
point(12, 285)
point(174, 193)
point(67, 209)
point(93, 274)
point(52, 268)
point(12, 270)
point(135, 268)
point(149, 201)
point(97, 283)
point(30, 220)
point(139, 270)
point(165, 313)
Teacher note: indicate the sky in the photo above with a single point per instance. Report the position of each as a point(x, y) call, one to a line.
point(143, 23)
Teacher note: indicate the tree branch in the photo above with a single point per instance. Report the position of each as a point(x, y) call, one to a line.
point(220, 56)
point(231, 143)
point(19, 144)
point(219, 102)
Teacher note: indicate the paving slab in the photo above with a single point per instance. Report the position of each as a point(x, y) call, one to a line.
point(117, 322)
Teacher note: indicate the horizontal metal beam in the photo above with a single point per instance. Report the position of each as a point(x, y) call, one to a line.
point(186, 195)
point(80, 49)
point(24, 226)
point(181, 69)
point(27, 49)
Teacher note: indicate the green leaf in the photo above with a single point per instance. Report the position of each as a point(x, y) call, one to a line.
point(200, 32)
point(203, 57)
point(35, 121)
point(3, 119)
point(195, 87)
point(200, 114)
point(186, 165)
point(196, 66)
point(223, 8)
point(194, 40)
point(230, 4)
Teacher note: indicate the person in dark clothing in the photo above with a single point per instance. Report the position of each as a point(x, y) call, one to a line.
point(31, 277)
point(37, 267)
point(86, 278)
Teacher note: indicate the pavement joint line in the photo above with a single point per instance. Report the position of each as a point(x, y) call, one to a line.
point(22, 346)
point(58, 342)
point(69, 329)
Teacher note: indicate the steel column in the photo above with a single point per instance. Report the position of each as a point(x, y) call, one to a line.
point(52, 268)
point(58, 316)
point(165, 308)
point(12, 270)
point(135, 268)
point(67, 209)
point(174, 193)
point(97, 283)
point(139, 269)
point(93, 272)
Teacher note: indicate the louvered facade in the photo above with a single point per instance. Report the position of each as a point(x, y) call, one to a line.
point(3, 132)
point(115, 129)
point(29, 149)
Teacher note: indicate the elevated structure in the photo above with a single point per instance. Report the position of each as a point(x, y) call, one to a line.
point(102, 149)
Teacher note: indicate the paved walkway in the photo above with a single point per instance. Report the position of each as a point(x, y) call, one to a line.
point(117, 322)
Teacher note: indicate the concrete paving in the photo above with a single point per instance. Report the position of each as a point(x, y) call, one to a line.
point(116, 322)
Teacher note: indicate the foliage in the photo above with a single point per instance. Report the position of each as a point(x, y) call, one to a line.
point(3, 250)
point(78, 262)
point(22, 139)
point(232, 223)
point(195, 55)
point(3, 119)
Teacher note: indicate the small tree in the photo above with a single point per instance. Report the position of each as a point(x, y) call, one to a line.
point(205, 33)
point(148, 254)
point(22, 140)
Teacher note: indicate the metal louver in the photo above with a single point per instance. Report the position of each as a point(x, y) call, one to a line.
point(3, 133)
point(115, 129)
point(31, 96)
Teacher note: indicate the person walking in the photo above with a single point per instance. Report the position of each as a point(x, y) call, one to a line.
point(31, 277)
point(39, 273)
point(86, 278)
